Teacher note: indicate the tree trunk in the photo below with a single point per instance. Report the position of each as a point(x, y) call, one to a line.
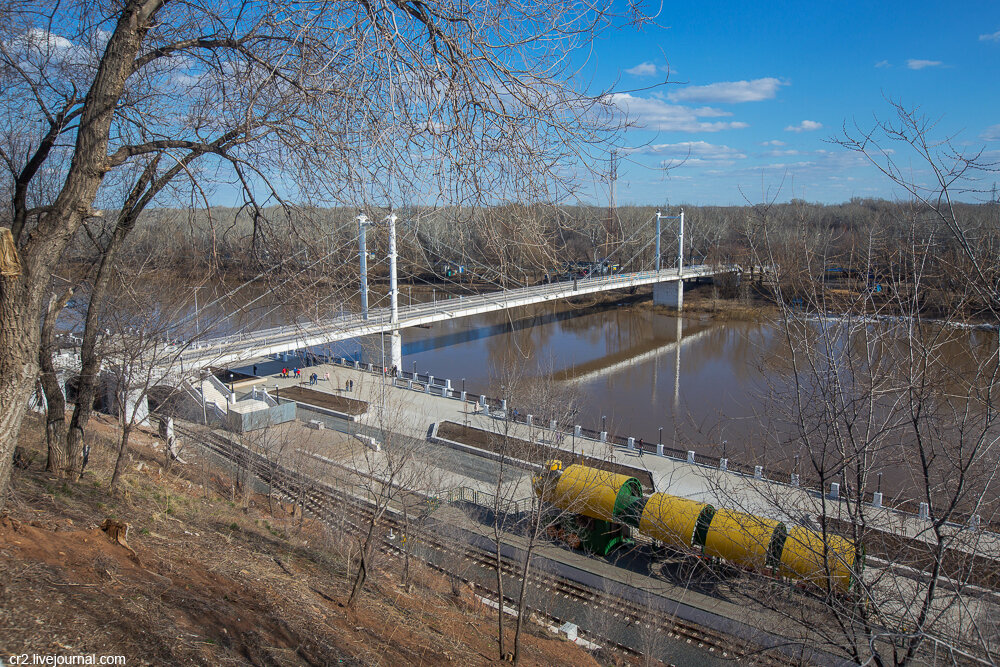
point(407, 541)
point(21, 296)
point(55, 418)
point(521, 605)
point(18, 369)
point(522, 601)
point(55, 421)
point(90, 360)
point(122, 455)
point(499, 601)
point(359, 578)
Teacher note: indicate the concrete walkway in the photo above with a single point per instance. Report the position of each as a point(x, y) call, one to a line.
point(411, 412)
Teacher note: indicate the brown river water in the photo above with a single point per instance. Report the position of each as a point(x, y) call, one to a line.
point(694, 382)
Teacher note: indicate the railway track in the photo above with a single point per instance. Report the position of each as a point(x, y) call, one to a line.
point(336, 508)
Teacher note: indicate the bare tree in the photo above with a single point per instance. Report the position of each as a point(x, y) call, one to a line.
point(521, 446)
point(365, 102)
point(882, 388)
point(389, 468)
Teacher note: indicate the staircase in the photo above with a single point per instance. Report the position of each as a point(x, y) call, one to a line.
point(215, 393)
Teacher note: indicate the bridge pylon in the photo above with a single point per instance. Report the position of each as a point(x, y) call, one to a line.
point(395, 338)
point(363, 256)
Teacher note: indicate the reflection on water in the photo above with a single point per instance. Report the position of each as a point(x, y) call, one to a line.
point(624, 364)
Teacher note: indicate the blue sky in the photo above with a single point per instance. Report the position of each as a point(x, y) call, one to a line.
point(757, 90)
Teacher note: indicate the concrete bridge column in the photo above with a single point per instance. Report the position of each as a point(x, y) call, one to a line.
point(669, 294)
point(136, 407)
point(395, 339)
point(396, 350)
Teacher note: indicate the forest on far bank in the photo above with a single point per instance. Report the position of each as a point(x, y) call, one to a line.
point(512, 240)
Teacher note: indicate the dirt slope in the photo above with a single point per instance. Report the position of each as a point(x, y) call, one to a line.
point(212, 583)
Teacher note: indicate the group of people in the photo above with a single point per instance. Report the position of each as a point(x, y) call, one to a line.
point(295, 372)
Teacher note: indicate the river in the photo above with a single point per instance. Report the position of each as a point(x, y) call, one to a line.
point(629, 368)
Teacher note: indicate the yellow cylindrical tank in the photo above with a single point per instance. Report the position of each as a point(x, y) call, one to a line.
point(673, 520)
point(596, 493)
point(744, 539)
point(804, 557)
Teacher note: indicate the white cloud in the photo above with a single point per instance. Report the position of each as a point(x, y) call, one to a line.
point(914, 63)
point(804, 126)
point(701, 150)
point(773, 142)
point(992, 133)
point(820, 163)
point(37, 48)
point(655, 114)
point(643, 69)
point(730, 92)
point(993, 37)
point(782, 153)
point(35, 42)
point(883, 63)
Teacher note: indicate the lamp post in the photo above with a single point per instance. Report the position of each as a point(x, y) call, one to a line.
point(604, 424)
point(659, 440)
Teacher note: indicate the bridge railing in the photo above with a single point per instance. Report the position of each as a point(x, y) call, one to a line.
point(380, 317)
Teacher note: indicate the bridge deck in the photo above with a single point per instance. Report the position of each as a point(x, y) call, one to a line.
point(287, 338)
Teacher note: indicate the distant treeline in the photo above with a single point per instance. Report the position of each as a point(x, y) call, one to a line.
point(517, 242)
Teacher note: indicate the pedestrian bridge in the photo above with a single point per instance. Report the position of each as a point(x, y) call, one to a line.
point(667, 284)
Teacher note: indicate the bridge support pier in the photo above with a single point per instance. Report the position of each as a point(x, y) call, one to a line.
point(396, 350)
point(135, 406)
point(669, 294)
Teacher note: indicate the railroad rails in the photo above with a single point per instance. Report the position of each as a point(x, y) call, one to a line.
point(328, 505)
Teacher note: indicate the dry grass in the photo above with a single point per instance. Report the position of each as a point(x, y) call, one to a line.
point(211, 583)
